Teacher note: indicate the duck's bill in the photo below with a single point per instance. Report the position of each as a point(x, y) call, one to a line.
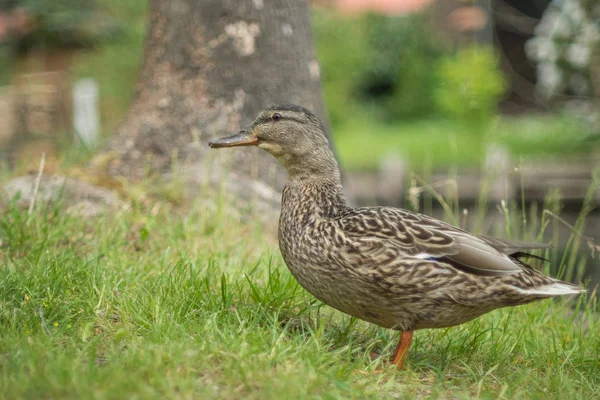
point(239, 139)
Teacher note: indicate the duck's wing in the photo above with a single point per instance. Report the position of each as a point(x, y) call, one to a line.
point(381, 232)
point(511, 247)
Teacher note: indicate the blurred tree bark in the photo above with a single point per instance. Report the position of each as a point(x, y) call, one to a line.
point(209, 67)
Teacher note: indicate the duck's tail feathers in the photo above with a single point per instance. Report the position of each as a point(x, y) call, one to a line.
point(555, 289)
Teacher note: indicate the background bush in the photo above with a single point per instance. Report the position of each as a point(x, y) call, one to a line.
point(59, 23)
point(471, 84)
point(341, 46)
point(380, 63)
point(398, 81)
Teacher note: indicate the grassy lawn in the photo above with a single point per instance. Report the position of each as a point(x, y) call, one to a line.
point(431, 143)
point(153, 303)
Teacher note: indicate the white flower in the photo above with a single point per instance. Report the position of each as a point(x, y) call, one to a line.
point(549, 77)
point(579, 84)
point(574, 11)
point(541, 49)
point(589, 33)
point(545, 27)
point(562, 27)
point(563, 44)
point(554, 24)
point(578, 55)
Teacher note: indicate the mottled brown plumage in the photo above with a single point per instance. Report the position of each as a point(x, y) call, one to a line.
point(388, 266)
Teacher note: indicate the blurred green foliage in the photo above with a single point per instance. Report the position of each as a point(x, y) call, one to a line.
point(470, 85)
point(341, 46)
point(384, 79)
point(377, 62)
point(398, 79)
point(59, 24)
point(397, 69)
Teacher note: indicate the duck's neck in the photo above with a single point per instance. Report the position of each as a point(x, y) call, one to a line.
point(306, 200)
point(318, 195)
point(317, 163)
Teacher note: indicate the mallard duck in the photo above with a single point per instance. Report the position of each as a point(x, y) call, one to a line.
point(388, 266)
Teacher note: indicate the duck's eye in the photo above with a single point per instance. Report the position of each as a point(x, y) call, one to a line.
point(276, 117)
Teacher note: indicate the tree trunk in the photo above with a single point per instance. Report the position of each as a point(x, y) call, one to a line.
point(209, 67)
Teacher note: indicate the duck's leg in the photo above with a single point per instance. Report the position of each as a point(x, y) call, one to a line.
point(402, 348)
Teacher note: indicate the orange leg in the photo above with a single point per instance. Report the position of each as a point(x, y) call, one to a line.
point(402, 348)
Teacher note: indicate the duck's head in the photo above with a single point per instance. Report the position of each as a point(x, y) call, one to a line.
point(290, 133)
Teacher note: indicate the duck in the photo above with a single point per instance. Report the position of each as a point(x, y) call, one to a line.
point(391, 267)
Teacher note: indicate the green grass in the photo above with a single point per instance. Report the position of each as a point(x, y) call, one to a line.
point(362, 141)
point(156, 303)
